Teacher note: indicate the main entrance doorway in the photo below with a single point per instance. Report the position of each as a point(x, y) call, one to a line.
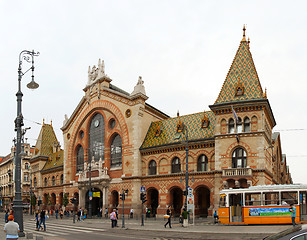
point(96, 201)
point(176, 200)
point(153, 200)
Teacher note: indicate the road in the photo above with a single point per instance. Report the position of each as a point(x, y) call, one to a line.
point(65, 229)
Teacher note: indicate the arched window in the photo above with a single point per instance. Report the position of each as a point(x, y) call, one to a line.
point(96, 138)
point(202, 163)
point(53, 180)
point(239, 158)
point(239, 125)
point(80, 158)
point(45, 182)
point(176, 165)
point(247, 126)
point(62, 179)
point(35, 182)
point(152, 167)
point(231, 126)
point(26, 166)
point(116, 152)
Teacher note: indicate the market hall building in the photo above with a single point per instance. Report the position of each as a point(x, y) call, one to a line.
point(130, 144)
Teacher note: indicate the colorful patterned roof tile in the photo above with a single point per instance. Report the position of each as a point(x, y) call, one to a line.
point(164, 132)
point(55, 160)
point(46, 140)
point(242, 72)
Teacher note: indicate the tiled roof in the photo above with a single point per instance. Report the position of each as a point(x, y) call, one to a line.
point(169, 132)
point(242, 71)
point(45, 141)
point(55, 160)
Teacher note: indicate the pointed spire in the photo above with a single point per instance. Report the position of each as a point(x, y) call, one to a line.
point(51, 123)
point(43, 121)
point(265, 94)
point(244, 39)
point(178, 113)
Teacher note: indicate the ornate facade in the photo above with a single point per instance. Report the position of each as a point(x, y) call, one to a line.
point(129, 144)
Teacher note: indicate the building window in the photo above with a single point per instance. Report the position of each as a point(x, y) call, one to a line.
point(62, 179)
point(176, 165)
point(202, 163)
point(53, 180)
point(116, 152)
point(35, 182)
point(231, 126)
point(45, 181)
point(239, 125)
point(239, 158)
point(152, 167)
point(247, 127)
point(26, 166)
point(96, 138)
point(26, 178)
point(80, 159)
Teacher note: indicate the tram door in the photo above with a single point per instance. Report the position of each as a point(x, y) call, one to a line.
point(303, 206)
point(235, 207)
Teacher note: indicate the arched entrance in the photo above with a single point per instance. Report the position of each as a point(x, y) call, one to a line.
point(176, 195)
point(114, 199)
point(153, 200)
point(53, 200)
point(203, 201)
point(96, 201)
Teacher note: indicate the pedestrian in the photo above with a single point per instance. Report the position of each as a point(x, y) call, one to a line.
point(292, 209)
point(85, 213)
point(79, 215)
point(113, 218)
point(37, 219)
point(216, 217)
point(131, 213)
point(185, 215)
point(56, 213)
point(42, 220)
point(6, 216)
point(100, 212)
point(169, 216)
point(116, 217)
point(11, 228)
point(61, 214)
point(106, 213)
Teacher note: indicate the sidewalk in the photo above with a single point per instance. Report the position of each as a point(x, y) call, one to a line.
point(201, 226)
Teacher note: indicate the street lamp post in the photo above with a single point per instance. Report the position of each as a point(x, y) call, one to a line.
point(186, 167)
point(90, 194)
point(18, 207)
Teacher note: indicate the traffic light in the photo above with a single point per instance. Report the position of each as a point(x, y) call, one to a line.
point(143, 197)
point(122, 196)
point(73, 200)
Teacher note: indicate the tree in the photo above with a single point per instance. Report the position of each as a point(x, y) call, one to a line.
point(33, 200)
point(65, 199)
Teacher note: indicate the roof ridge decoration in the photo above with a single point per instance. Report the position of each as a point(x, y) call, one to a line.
point(242, 81)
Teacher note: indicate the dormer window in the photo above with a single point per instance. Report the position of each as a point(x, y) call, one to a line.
point(239, 89)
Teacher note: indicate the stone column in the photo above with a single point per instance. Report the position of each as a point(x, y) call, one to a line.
point(82, 198)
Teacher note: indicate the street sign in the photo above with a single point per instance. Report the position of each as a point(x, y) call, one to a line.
point(190, 191)
point(96, 194)
point(91, 198)
point(142, 189)
point(90, 194)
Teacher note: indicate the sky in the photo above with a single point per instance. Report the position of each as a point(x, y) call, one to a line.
point(182, 49)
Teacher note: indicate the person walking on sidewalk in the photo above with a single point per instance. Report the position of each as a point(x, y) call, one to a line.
point(11, 229)
point(56, 213)
point(169, 213)
point(113, 218)
point(185, 215)
point(293, 213)
point(42, 220)
point(6, 216)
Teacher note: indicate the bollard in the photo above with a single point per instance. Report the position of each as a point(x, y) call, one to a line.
point(29, 235)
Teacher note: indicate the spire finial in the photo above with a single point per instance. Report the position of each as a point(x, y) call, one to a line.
point(178, 113)
point(243, 39)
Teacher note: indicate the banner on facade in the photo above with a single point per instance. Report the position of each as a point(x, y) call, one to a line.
point(96, 194)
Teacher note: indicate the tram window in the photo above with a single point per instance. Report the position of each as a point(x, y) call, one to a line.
point(271, 198)
point(289, 197)
point(252, 199)
point(223, 201)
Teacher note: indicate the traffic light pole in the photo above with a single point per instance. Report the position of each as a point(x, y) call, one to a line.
point(142, 224)
point(123, 196)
